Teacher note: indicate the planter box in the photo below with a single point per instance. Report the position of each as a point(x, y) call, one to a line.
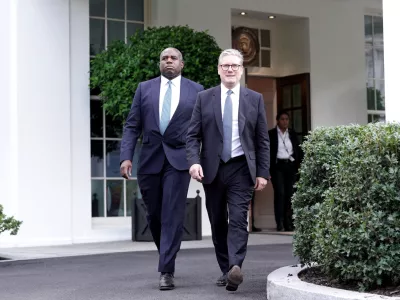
point(284, 284)
point(191, 227)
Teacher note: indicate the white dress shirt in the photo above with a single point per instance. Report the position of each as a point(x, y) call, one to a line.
point(285, 147)
point(176, 93)
point(236, 145)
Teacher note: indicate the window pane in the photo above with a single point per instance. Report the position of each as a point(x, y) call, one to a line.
point(112, 162)
point(132, 27)
point(115, 198)
point(372, 118)
point(97, 8)
point(132, 193)
point(113, 127)
point(368, 29)
point(371, 95)
point(380, 94)
point(296, 95)
point(116, 31)
point(265, 58)
point(379, 67)
point(287, 97)
point(97, 36)
point(96, 119)
point(97, 198)
point(97, 158)
point(378, 31)
point(369, 63)
point(135, 10)
point(297, 120)
point(116, 9)
point(265, 38)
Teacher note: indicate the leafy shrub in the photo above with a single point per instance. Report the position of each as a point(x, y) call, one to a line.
point(8, 223)
point(117, 71)
point(347, 204)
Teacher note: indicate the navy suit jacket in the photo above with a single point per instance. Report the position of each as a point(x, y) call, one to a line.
point(205, 133)
point(144, 118)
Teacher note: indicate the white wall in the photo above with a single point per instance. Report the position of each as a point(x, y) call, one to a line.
point(8, 112)
point(392, 59)
point(336, 34)
point(37, 131)
point(293, 47)
point(80, 114)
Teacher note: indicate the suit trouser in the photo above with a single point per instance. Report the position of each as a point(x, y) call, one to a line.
point(228, 196)
point(164, 195)
point(283, 180)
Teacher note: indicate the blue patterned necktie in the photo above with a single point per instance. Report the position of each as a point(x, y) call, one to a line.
point(166, 109)
point(227, 121)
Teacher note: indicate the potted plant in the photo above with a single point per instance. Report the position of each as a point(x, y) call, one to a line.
point(8, 223)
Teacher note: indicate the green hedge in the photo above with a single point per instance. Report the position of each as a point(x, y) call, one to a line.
point(347, 204)
point(117, 71)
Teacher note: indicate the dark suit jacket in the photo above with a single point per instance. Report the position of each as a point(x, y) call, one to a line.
point(144, 118)
point(297, 152)
point(206, 129)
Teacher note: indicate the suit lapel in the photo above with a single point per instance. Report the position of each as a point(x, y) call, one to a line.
point(243, 103)
point(217, 108)
point(184, 91)
point(155, 96)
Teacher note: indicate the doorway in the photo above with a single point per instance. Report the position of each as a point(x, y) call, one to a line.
point(264, 200)
point(290, 93)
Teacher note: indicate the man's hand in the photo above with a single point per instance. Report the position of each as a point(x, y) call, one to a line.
point(126, 169)
point(196, 171)
point(261, 183)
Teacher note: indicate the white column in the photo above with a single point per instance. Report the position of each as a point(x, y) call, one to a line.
point(80, 124)
point(391, 11)
point(36, 121)
point(8, 114)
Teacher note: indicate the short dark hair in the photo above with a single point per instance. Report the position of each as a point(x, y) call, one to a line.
point(282, 112)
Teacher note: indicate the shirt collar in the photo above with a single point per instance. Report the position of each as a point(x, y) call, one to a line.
point(280, 131)
point(235, 90)
point(175, 82)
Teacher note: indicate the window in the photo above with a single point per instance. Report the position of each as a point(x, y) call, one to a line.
point(375, 78)
point(262, 41)
point(111, 195)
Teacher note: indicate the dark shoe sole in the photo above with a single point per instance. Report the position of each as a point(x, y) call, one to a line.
point(166, 288)
point(235, 278)
point(221, 283)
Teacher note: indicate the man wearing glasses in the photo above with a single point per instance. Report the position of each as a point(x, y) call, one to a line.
point(228, 151)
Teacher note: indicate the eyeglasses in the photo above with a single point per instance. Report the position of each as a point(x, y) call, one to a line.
point(226, 67)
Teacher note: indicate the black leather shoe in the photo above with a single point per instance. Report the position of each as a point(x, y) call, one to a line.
point(167, 281)
point(222, 280)
point(235, 277)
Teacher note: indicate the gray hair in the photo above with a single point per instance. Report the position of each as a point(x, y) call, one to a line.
point(228, 52)
point(180, 56)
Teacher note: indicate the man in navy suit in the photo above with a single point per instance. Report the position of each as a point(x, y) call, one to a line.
point(228, 150)
point(161, 110)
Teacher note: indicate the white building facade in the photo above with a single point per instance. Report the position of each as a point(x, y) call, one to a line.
point(59, 162)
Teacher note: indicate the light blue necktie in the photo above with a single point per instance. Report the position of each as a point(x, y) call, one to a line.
point(227, 121)
point(166, 109)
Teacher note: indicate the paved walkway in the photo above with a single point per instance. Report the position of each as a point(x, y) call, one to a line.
point(132, 274)
point(23, 253)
